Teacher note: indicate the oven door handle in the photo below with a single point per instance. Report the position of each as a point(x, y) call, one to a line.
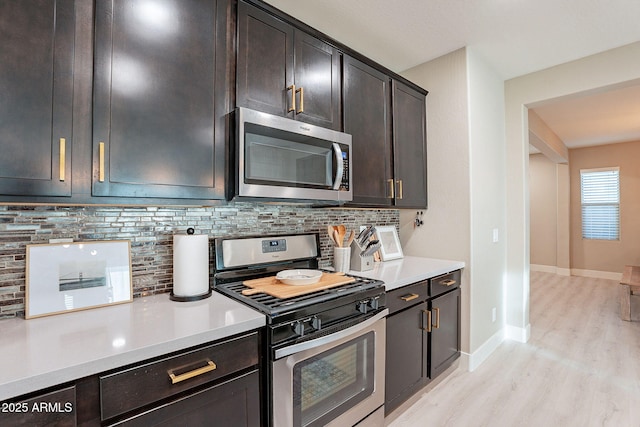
point(337, 152)
point(328, 339)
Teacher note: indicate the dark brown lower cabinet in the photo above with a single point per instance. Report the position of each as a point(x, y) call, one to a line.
point(406, 363)
point(234, 403)
point(423, 336)
point(444, 341)
point(56, 408)
point(216, 384)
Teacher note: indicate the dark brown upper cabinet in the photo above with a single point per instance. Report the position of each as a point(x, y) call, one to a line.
point(409, 147)
point(284, 71)
point(386, 119)
point(160, 99)
point(36, 86)
point(367, 117)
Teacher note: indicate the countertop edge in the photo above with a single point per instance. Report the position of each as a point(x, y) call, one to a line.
point(409, 269)
point(62, 375)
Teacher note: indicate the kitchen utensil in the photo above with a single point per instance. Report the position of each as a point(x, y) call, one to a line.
point(360, 234)
point(342, 232)
point(299, 277)
point(371, 249)
point(330, 231)
point(367, 234)
point(371, 243)
point(352, 236)
point(337, 239)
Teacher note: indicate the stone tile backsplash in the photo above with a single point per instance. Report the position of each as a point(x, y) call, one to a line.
point(151, 229)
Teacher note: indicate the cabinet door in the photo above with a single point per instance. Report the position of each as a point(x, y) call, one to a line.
point(159, 70)
point(367, 117)
point(445, 332)
point(265, 62)
point(36, 83)
point(273, 57)
point(410, 149)
point(405, 355)
point(317, 80)
point(235, 403)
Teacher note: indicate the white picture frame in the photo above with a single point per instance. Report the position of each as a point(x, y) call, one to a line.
point(65, 277)
point(390, 248)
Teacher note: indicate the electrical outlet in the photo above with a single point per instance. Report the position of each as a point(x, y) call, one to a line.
point(493, 314)
point(495, 235)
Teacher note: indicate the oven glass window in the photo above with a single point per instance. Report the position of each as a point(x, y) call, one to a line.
point(334, 381)
point(284, 159)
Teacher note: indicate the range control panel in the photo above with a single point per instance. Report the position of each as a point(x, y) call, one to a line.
point(276, 245)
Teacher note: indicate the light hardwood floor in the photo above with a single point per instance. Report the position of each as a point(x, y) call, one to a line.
point(581, 367)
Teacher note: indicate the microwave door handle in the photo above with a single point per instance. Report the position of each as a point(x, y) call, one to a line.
point(340, 170)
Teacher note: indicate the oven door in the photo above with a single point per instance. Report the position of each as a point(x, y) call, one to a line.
point(333, 380)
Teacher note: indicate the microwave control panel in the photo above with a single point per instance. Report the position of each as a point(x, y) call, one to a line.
point(344, 185)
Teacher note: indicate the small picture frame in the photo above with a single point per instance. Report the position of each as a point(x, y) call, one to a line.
point(391, 248)
point(65, 277)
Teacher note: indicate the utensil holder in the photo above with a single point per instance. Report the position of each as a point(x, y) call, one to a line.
point(358, 261)
point(341, 259)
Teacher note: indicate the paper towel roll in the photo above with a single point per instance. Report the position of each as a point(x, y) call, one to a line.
point(190, 266)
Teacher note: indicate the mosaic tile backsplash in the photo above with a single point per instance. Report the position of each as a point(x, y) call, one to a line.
point(151, 229)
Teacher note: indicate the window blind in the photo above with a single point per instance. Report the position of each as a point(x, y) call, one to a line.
point(600, 199)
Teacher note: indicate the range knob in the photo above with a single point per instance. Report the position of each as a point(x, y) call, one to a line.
point(298, 328)
point(374, 303)
point(362, 307)
point(316, 323)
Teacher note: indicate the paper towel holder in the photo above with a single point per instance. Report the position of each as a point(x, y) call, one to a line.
point(187, 298)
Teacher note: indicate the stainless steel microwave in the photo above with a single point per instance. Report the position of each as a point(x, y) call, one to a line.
point(281, 158)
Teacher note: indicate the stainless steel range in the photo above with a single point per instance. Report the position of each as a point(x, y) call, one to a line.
point(325, 340)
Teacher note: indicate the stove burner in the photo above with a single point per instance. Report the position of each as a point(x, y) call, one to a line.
point(274, 306)
point(300, 317)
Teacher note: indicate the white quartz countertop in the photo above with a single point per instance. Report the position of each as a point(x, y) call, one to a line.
point(46, 351)
point(408, 270)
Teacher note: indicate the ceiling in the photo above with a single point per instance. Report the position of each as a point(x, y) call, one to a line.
point(595, 119)
point(515, 37)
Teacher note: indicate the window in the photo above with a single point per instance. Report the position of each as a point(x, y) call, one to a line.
point(600, 199)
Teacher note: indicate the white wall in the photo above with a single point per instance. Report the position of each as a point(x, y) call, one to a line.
point(488, 204)
point(463, 167)
point(544, 206)
point(614, 68)
point(446, 230)
point(466, 184)
point(550, 215)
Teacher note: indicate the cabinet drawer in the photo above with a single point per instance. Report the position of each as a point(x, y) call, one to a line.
point(57, 408)
point(234, 402)
point(141, 385)
point(444, 283)
point(407, 296)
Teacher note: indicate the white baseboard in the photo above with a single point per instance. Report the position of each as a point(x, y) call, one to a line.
point(543, 268)
point(596, 274)
point(518, 334)
point(575, 272)
point(550, 269)
point(470, 362)
point(481, 354)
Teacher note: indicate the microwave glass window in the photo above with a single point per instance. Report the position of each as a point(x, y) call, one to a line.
point(283, 162)
point(332, 382)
